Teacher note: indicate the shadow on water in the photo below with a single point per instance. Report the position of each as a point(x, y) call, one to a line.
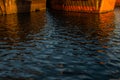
point(89, 26)
point(89, 32)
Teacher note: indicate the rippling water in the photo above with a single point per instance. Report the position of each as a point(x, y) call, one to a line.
point(51, 45)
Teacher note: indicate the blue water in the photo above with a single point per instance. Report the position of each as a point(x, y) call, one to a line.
point(53, 45)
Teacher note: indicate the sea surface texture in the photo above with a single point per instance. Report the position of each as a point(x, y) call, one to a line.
point(54, 45)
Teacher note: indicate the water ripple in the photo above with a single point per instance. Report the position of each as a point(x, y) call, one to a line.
point(60, 46)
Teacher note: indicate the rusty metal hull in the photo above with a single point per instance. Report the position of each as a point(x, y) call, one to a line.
point(92, 6)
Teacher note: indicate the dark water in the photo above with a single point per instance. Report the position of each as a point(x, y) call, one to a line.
point(60, 46)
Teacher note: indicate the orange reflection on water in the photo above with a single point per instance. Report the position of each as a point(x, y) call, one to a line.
point(93, 26)
point(15, 27)
point(9, 27)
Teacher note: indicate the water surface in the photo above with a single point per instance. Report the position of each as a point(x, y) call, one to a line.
point(53, 45)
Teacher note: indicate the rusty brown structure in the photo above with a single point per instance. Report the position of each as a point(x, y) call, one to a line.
point(20, 6)
point(92, 6)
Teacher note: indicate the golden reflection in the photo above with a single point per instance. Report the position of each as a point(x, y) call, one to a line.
point(15, 27)
point(106, 25)
point(9, 27)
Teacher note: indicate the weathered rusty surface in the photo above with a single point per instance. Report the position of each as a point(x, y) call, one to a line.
point(94, 6)
point(117, 2)
point(20, 6)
